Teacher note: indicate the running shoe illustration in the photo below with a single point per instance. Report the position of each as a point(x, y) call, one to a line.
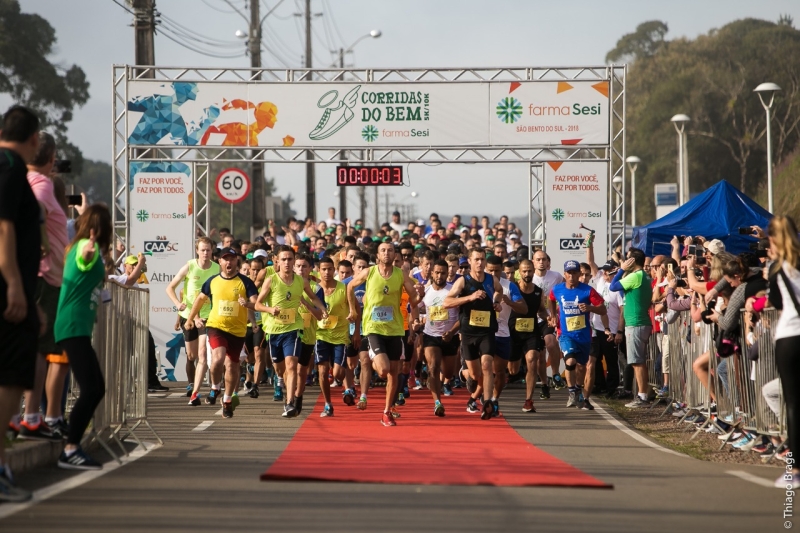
point(335, 117)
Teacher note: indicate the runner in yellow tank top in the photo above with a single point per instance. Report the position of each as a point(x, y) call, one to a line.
point(332, 332)
point(193, 275)
point(283, 324)
point(310, 314)
point(383, 322)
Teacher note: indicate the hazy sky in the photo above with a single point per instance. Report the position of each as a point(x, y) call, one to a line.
point(416, 33)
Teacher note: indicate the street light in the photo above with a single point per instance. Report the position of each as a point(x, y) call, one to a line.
point(617, 181)
point(633, 162)
point(375, 34)
point(679, 121)
point(766, 91)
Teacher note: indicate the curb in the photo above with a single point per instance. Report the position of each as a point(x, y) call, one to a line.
point(24, 456)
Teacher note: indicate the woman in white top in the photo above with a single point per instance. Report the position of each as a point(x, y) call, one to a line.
point(785, 295)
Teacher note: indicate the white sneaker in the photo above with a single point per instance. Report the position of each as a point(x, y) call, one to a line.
point(783, 483)
point(679, 413)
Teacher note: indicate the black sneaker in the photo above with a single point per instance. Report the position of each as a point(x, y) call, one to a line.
point(37, 432)
point(253, 391)
point(157, 387)
point(211, 399)
point(558, 382)
point(488, 410)
point(60, 428)
point(587, 405)
point(10, 492)
point(227, 410)
point(472, 406)
point(495, 409)
point(298, 404)
point(289, 411)
point(78, 461)
point(545, 395)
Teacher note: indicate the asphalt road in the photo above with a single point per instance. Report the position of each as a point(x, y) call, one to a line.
point(209, 481)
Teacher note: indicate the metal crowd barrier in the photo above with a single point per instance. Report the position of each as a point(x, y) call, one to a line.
point(120, 339)
point(738, 382)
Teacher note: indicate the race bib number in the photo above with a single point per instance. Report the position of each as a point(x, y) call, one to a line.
point(328, 323)
point(258, 316)
point(285, 317)
point(383, 313)
point(575, 323)
point(228, 308)
point(480, 319)
point(524, 325)
point(306, 319)
point(352, 328)
point(438, 313)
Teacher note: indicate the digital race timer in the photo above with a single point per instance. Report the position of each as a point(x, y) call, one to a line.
point(380, 175)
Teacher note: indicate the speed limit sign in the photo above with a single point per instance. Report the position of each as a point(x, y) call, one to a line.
point(233, 185)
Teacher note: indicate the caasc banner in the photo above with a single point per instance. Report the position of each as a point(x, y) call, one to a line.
point(372, 115)
point(162, 227)
point(576, 196)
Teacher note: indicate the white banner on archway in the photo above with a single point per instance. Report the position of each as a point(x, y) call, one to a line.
point(162, 227)
point(576, 198)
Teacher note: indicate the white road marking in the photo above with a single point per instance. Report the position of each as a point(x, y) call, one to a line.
point(218, 413)
point(156, 395)
point(177, 395)
point(8, 509)
point(620, 426)
point(204, 425)
point(747, 476)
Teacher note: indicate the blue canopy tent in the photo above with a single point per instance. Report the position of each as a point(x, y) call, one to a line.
point(717, 213)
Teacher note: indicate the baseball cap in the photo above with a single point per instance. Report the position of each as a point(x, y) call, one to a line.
point(451, 226)
point(490, 238)
point(610, 265)
point(463, 262)
point(366, 240)
point(454, 247)
point(260, 253)
point(131, 260)
point(418, 247)
point(513, 236)
point(420, 222)
point(405, 233)
point(249, 256)
point(571, 266)
point(714, 246)
point(227, 251)
point(358, 227)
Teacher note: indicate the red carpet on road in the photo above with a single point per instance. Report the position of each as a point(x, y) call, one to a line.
point(459, 449)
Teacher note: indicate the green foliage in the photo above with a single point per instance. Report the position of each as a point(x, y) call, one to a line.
point(94, 179)
point(711, 79)
point(644, 42)
point(28, 76)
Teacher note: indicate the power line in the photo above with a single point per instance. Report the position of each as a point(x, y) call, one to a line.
point(177, 40)
point(333, 21)
point(176, 30)
point(123, 6)
point(287, 17)
point(218, 9)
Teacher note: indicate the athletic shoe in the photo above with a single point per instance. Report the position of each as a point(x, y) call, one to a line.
point(235, 400)
point(289, 411)
point(734, 437)
point(394, 412)
point(349, 397)
point(495, 408)
point(195, 401)
point(581, 401)
point(472, 406)
point(326, 411)
point(457, 384)
point(298, 404)
point(157, 387)
point(637, 403)
point(211, 399)
point(488, 410)
point(227, 410)
point(418, 385)
point(572, 401)
point(189, 390)
point(406, 392)
point(713, 430)
point(362, 403)
point(60, 428)
point(528, 407)
point(388, 420)
point(663, 392)
point(253, 392)
point(247, 386)
point(13, 430)
point(336, 383)
point(401, 400)
point(78, 461)
point(679, 413)
point(766, 451)
point(587, 405)
point(278, 395)
point(9, 492)
point(558, 383)
point(38, 432)
point(447, 389)
point(545, 395)
point(746, 439)
point(438, 409)
point(472, 385)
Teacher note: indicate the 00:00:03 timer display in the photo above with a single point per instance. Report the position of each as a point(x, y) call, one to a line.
point(383, 175)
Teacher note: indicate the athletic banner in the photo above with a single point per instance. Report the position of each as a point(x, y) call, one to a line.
point(370, 115)
point(576, 200)
point(162, 227)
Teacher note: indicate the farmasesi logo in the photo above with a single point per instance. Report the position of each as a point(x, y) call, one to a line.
point(509, 110)
point(558, 214)
point(142, 215)
point(369, 133)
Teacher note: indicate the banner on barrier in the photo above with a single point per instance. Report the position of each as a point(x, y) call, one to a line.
point(379, 115)
point(576, 195)
point(162, 227)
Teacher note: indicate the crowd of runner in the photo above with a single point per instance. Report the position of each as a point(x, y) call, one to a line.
point(396, 309)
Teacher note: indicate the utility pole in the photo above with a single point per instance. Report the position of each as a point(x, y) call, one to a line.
point(144, 27)
point(343, 157)
point(376, 227)
point(311, 187)
point(362, 197)
point(257, 170)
